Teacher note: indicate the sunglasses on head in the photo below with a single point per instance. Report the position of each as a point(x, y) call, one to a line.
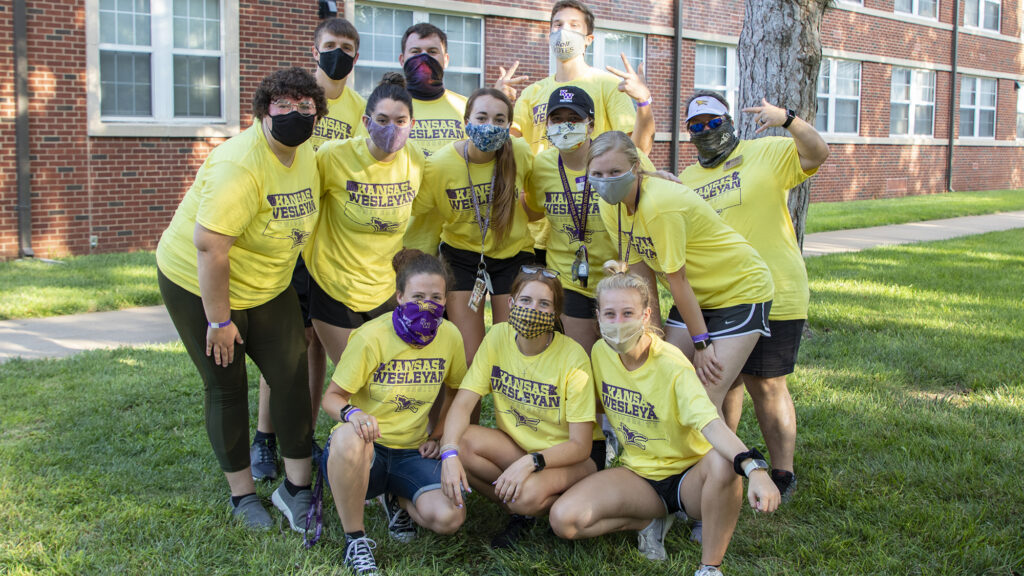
point(546, 272)
point(698, 127)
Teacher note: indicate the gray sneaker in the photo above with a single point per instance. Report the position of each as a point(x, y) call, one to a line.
point(400, 524)
point(252, 514)
point(651, 540)
point(359, 557)
point(295, 508)
point(697, 532)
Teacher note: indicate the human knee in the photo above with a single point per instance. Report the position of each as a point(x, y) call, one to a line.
point(348, 450)
point(568, 519)
point(720, 470)
point(443, 517)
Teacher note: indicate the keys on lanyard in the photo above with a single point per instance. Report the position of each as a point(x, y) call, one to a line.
point(581, 267)
point(481, 286)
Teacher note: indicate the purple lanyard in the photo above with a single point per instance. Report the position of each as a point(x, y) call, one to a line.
point(636, 209)
point(578, 214)
point(484, 224)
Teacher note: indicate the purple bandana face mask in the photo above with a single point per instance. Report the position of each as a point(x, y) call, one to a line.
point(416, 322)
point(390, 138)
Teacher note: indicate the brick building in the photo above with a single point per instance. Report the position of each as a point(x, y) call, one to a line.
point(126, 97)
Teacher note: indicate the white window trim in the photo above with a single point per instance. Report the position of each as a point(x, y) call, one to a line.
point(422, 14)
point(228, 125)
point(1020, 111)
point(913, 103)
point(732, 87)
point(977, 108)
point(831, 97)
point(981, 18)
point(599, 49)
point(915, 10)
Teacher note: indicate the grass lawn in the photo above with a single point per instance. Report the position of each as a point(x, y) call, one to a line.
point(826, 216)
point(36, 288)
point(909, 396)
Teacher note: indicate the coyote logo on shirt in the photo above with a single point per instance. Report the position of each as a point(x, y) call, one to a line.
point(634, 437)
point(572, 232)
point(298, 237)
point(405, 403)
point(523, 419)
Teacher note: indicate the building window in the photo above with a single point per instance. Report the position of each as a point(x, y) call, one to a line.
point(1020, 113)
point(912, 108)
point(922, 8)
point(982, 14)
point(380, 44)
point(838, 97)
point(978, 107)
point(714, 68)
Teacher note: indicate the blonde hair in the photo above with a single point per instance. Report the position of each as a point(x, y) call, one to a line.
point(616, 141)
point(618, 277)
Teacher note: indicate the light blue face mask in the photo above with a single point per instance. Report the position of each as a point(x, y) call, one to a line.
point(613, 189)
point(487, 137)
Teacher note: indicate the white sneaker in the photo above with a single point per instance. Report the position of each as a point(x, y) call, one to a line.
point(651, 540)
point(708, 571)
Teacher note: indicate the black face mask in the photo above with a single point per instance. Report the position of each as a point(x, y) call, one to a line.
point(293, 128)
point(715, 144)
point(424, 77)
point(336, 63)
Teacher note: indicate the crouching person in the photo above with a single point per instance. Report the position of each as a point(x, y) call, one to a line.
point(679, 456)
point(381, 393)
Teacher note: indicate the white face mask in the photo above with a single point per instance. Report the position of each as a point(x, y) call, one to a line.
point(567, 136)
point(622, 336)
point(567, 44)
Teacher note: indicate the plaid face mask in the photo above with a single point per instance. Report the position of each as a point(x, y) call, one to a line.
point(530, 323)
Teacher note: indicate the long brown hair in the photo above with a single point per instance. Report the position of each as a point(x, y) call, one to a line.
point(557, 293)
point(503, 198)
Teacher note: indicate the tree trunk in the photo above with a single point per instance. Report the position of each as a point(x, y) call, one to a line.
point(779, 54)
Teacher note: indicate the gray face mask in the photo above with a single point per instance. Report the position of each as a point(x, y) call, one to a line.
point(613, 189)
point(567, 44)
point(715, 144)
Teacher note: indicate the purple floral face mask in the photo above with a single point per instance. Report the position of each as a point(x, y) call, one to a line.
point(416, 322)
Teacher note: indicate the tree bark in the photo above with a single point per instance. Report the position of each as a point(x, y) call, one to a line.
point(779, 54)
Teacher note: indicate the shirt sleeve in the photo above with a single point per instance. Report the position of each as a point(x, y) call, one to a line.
point(692, 403)
point(356, 363)
point(581, 402)
point(785, 162)
point(231, 198)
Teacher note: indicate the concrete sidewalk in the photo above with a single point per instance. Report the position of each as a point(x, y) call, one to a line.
point(65, 335)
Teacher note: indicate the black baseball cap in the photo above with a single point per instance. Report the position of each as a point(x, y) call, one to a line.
point(573, 98)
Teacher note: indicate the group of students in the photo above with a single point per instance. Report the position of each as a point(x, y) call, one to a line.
point(373, 232)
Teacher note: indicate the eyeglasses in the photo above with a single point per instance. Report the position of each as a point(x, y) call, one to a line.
point(698, 127)
point(306, 108)
point(546, 272)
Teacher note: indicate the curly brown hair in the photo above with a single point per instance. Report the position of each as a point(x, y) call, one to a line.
point(291, 83)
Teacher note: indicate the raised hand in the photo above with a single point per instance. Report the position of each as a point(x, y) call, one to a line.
point(633, 83)
point(509, 83)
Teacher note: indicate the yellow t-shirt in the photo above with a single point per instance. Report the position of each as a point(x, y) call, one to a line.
point(366, 209)
point(545, 193)
point(657, 410)
point(535, 397)
point(343, 120)
point(243, 190)
point(446, 197)
point(752, 195)
point(613, 110)
point(675, 228)
point(397, 383)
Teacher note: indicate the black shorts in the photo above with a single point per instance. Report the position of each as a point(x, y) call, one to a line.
point(579, 306)
point(326, 309)
point(775, 355)
point(598, 453)
point(540, 257)
point(729, 322)
point(464, 264)
point(300, 281)
point(668, 491)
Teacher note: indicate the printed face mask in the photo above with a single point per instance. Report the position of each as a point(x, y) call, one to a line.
point(336, 63)
point(416, 322)
point(715, 144)
point(567, 44)
point(390, 138)
point(567, 136)
point(487, 137)
point(613, 189)
point(424, 77)
point(530, 323)
point(622, 336)
point(293, 128)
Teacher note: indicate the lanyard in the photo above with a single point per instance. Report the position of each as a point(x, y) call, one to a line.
point(636, 210)
point(578, 214)
point(482, 223)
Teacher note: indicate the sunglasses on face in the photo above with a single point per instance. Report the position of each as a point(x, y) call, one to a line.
point(698, 127)
point(546, 272)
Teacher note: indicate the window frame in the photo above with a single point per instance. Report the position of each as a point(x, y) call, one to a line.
point(915, 9)
point(914, 102)
point(831, 96)
point(980, 25)
point(731, 88)
point(162, 123)
point(977, 108)
point(1020, 113)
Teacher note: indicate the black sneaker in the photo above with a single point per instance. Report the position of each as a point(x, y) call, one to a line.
point(400, 524)
point(518, 525)
point(785, 481)
point(359, 557)
point(263, 459)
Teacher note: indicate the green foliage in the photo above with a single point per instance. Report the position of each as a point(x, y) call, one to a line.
point(826, 216)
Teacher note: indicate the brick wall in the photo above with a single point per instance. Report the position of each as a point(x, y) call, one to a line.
point(8, 179)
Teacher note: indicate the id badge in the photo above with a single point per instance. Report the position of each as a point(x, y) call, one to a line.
point(481, 286)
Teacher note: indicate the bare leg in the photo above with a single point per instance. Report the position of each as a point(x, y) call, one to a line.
point(732, 407)
point(240, 482)
point(334, 338)
point(299, 470)
point(776, 416)
point(611, 500)
point(348, 469)
point(435, 512)
point(485, 453)
point(263, 422)
point(731, 352)
point(469, 323)
point(542, 488)
point(582, 330)
point(711, 492)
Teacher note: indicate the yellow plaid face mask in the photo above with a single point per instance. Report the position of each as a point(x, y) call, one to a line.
point(530, 323)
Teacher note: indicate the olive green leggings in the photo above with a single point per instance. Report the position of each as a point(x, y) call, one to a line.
point(274, 337)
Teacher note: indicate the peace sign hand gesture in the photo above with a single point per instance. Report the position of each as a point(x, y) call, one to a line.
point(509, 83)
point(633, 83)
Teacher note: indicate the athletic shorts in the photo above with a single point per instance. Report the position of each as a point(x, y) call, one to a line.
point(579, 306)
point(540, 257)
point(668, 491)
point(729, 322)
point(300, 281)
point(326, 309)
point(464, 264)
point(400, 471)
point(775, 355)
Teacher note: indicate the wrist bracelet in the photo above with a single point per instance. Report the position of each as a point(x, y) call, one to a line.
point(448, 454)
point(348, 415)
point(645, 102)
point(449, 447)
point(701, 337)
point(219, 324)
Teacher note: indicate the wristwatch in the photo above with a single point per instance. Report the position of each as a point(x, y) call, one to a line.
point(790, 116)
point(702, 344)
point(756, 462)
point(538, 461)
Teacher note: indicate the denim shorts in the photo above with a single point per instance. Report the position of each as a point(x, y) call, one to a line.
point(400, 471)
